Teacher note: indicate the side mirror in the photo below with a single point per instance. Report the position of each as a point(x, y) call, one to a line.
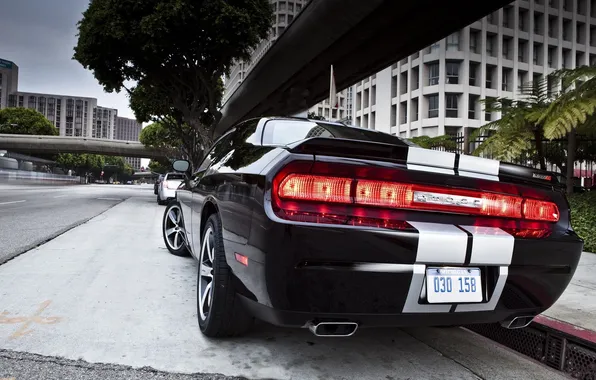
point(181, 166)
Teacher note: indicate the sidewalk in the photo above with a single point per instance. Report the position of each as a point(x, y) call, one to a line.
point(575, 312)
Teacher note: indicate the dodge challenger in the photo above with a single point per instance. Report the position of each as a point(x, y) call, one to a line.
point(320, 225)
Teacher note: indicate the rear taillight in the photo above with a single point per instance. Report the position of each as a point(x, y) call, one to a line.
point(296, 190)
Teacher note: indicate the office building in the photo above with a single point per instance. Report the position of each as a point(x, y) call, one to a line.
point(129, 130)
point(104, 123)
point(72, 115)
point(437, 90)
point(284, 13)
point(9, 81)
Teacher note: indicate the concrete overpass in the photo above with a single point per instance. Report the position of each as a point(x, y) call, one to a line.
point(358, 37)
point(60, 144)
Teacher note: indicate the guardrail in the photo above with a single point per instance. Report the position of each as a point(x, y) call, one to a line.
point(9, 175)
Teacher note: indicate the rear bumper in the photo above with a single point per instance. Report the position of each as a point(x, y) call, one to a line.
point(168, 194)
point(298, 273)
point(287, 318)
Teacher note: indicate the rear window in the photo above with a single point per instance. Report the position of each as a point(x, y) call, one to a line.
point(175, 176)
point(285, 132)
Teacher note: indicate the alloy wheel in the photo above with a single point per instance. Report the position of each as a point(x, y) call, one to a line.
point(174, 228)
point(206, 262)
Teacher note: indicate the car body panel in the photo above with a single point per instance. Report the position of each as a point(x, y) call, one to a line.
point(298, 272)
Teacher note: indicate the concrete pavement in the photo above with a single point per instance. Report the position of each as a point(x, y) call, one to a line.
point(108, 291)
point(32, 214)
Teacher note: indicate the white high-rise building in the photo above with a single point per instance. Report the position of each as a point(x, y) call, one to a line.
point(104, 123)
point(284, 13)
point(129, 130)
point(72, 115)
point(437, 90)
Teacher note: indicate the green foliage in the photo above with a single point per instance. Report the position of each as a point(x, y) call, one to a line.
point(583, 218)
point(575, 104)
point(159, 167)
point(25, 121)
point(81, 163)
point(176, 51)
point(155, 135)
point(444, 141)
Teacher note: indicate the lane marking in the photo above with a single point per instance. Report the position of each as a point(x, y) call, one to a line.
point(60, 196)
point(110, 199)
point(12, 202)
point(27, 321)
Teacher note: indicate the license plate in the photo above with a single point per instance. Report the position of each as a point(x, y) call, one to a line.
point(453, 285)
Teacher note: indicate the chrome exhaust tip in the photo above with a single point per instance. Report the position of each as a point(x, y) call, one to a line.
point(333, 329)
point(518, 322)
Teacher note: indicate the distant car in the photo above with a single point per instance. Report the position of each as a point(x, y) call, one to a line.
point(166, 189)
point(156, 184)
point(305, 223)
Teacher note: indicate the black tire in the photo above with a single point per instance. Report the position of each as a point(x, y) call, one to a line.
point(226, 315)
point(167, 223)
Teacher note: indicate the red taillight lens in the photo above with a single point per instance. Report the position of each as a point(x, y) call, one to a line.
point(394, 195)
point(541, 210)
point(315, 188)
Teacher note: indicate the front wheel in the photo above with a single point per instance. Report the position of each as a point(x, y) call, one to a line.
point(219, 310)
point(174, 233)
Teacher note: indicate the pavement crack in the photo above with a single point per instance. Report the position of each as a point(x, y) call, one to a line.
point(479, 376)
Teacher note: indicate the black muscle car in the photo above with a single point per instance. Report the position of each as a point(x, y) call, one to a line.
point(307, 223)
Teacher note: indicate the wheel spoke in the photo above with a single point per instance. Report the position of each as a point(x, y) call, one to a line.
point(170, 231)
point(212, 255)
point(206, 271)
point(172, 216)
point(208, 246)
point(176, 241)
point(206, 296)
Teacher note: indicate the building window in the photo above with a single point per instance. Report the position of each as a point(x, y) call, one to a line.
point(490, 45)
point(507, 48)
point(474, 41)
point(433, 106)
point(473, 74)
point(434, 47)
point(490, 71)
point(452, 69)
point(451, 105)
point(433, 74)
point(453, 42)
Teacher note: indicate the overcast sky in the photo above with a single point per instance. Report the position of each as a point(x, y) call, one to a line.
point(39, 36)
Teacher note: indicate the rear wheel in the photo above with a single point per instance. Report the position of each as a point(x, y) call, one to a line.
point(174, 233)
point(219, 310)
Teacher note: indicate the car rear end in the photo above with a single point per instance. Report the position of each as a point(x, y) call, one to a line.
point(388, 234)
point(169, 184)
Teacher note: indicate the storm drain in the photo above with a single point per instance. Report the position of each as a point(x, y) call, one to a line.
point(558, 350)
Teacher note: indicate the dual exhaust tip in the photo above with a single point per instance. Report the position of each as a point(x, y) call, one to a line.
point(333, 329)
point(518, 322)
point(346, 329)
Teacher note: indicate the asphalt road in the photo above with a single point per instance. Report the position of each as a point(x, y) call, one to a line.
point(106, 300)
point(32, 214)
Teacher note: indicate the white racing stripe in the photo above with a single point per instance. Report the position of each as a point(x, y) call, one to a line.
point(478, 167)
point(440, 243)
point(492, 303)
point(412, 305)
point(490, 246)
point(430, 160)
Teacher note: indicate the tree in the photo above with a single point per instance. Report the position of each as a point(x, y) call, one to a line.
point(444, 141)
point(544, 114)
point(25, 121)
point(176, 52)
point(159, 166)
point(81, 164)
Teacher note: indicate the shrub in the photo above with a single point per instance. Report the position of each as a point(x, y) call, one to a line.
point(583, 218)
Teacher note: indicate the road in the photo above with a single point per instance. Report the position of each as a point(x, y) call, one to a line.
point(106, 300)
point(30, 215)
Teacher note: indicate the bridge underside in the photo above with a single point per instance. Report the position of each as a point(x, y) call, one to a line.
point(34, 144)
point(358, 37)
